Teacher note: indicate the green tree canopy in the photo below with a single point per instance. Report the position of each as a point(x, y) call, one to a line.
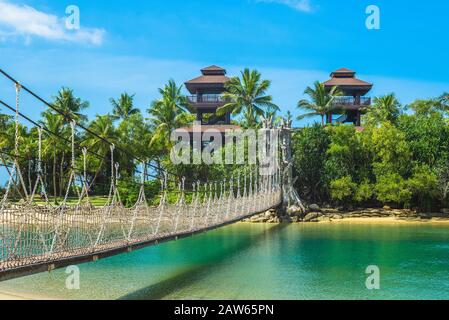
point(384, 109)
point(167, 114)
point(123, 107)
point(320, 103)
point(70, 106)
point(248, 95)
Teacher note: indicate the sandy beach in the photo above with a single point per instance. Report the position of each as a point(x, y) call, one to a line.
point(388, 220)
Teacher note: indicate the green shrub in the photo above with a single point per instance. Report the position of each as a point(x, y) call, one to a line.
point(309, 155)
point(129, 191)
point(364, 192)
point(342, 189)
point(393, 189)
point(424, 186)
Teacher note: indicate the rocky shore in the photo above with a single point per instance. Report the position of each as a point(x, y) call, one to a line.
point(317, 214)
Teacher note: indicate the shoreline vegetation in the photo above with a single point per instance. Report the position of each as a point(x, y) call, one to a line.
point(362, 215)
point(399, 158)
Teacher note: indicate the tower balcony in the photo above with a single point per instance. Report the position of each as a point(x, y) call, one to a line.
point(351, 102)
point(207, 99)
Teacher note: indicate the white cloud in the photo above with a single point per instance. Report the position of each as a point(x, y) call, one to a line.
point(27, 22)
point(299, 5)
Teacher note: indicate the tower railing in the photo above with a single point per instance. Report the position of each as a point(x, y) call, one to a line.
point(207, 98)
point(351, 101)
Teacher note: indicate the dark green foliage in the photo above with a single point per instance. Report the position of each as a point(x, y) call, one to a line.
point(310, 147)
point(400, 160)
point(129, 191)
point(427, 136)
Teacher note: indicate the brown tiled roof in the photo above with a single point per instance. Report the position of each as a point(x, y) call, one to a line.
point(344, 70)
point(213, 68)
point(213, 79)
point(221, 128)
point(347, 82)
point(345, 77)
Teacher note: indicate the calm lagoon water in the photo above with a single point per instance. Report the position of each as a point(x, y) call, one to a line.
point(255, 261)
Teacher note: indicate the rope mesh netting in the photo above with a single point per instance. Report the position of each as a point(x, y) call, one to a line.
point(33, 232)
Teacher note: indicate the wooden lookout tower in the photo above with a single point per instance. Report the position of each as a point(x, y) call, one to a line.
point(350, 105)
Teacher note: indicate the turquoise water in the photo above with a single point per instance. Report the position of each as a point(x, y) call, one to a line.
point(255, 261)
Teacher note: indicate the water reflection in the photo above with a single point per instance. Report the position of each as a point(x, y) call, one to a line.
point(187, 277)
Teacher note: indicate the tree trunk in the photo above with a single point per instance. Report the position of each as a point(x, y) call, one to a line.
point(61, 175)
point(97, 173)
point(30, 185)
point(55, 192)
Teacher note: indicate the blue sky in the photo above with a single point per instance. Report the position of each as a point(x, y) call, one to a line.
point(136, 46)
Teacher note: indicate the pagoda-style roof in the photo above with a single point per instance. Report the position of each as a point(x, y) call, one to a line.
point(212, 80)
point(213, 70)
point(342, 72)
point(346, 81)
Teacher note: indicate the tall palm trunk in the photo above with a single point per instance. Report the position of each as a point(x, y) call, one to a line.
point(97, 172)
point(30, 185)
point(61, 175)
point(55, 192)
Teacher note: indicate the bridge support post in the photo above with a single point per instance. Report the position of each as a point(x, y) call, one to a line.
point(289, 195)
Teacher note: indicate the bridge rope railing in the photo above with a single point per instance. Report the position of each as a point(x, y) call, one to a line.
point(33, 232)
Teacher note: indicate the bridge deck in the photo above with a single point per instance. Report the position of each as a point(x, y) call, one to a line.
point(45, 262)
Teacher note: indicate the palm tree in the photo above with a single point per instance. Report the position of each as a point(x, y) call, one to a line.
point(104, 129)
point(250, 119)
point(5, 125)
point(70, 106)
point(123, 107)
point(247, 95)
point(444, 102)
point(445, 98)
point(270, 117)
point(321, 101)
point(384, 108)
point(289, 117)
point(167, 112)
point(51, 143)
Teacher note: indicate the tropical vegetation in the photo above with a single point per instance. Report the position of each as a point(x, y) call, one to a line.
point(399, 159)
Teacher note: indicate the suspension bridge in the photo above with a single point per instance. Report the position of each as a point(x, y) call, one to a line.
point(38, 236)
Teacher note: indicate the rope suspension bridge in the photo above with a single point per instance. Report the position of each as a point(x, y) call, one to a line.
point(37, 236)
